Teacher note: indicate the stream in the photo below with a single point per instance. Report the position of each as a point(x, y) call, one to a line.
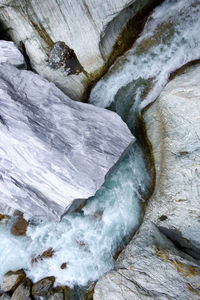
point(87, 241)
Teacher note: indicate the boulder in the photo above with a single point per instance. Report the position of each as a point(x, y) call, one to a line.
point(53, 150)
point(11, 55)
point(43, 287)
point(89, 28)
point(162, 260)
point(23, 291)
point(12, 279)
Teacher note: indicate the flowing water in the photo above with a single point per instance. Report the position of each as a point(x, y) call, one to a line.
point(170, 39)
point(87, 241)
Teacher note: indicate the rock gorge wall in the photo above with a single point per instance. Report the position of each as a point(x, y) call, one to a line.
point(162, 260)
point(88, 29)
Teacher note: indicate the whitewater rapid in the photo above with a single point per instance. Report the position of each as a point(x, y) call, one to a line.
point(85, 241)
point(170, 39)
point(88, 240)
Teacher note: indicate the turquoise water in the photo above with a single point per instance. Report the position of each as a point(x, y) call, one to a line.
point(169, 40)
point(86, 241)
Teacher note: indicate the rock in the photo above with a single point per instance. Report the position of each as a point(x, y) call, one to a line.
point(40, 25)
point(10, 54)
point(56, 296)
point(23, 291)
point(5, 296)
point(162, 260)
point(12, 279)
point(59, 293)
point(43, 287)
point(19, 227)
point(62, 56)
point(46, 254)
point(63, 266)
point(53, 150)
point(2, 217)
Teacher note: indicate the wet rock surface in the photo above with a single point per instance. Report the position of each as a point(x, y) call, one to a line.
point(61, 56)
point(23, 291)
point(162, 260)
point(12, 279)
point(43, 287)
point(19, 227)
point(17, 286)
point(46, 254)
point(54, 150)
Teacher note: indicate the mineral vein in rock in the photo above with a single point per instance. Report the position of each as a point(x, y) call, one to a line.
point(52, 150)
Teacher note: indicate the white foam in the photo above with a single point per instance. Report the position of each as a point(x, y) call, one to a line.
point(173, 31)
point(87, 242)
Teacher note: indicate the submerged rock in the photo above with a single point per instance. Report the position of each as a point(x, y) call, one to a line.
point(46, 254)
point(60, 293)
point(52, 150)
point(10, 54)
point(162, 260)
point(12, 279)
point(43, 287)
point(90, 28)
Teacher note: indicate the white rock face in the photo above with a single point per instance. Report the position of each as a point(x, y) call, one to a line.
point(52, 150)
point(89, 27)
point(162, 261)
point(11, 55)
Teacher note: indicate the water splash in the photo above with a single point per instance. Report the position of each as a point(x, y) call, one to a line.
point(85, 241)
point(170, 39)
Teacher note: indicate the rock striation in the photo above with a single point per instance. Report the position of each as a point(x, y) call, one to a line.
point(89, 28)
point(11, 55)
point(162, 260)
point(52, 150)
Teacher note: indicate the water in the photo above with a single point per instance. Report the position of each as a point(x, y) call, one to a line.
point(170, 39)
point(85, 241)
point(88, 240)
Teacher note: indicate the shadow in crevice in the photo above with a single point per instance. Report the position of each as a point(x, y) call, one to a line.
point(181, 243)
point(4, 35)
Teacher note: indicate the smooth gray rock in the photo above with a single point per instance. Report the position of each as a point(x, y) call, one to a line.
point(5, 296)
point(89, 27)
point(11, 55)
point(162, 260)
point(12, 279)
point(23, 291)
point(52, 150)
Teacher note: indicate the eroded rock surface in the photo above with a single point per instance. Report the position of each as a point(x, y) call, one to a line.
point(11, 55)
point(23, 291)
point(89, 27)
point(12, 279)
point(162, 260)
point(53, 150)
point(43, 287)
